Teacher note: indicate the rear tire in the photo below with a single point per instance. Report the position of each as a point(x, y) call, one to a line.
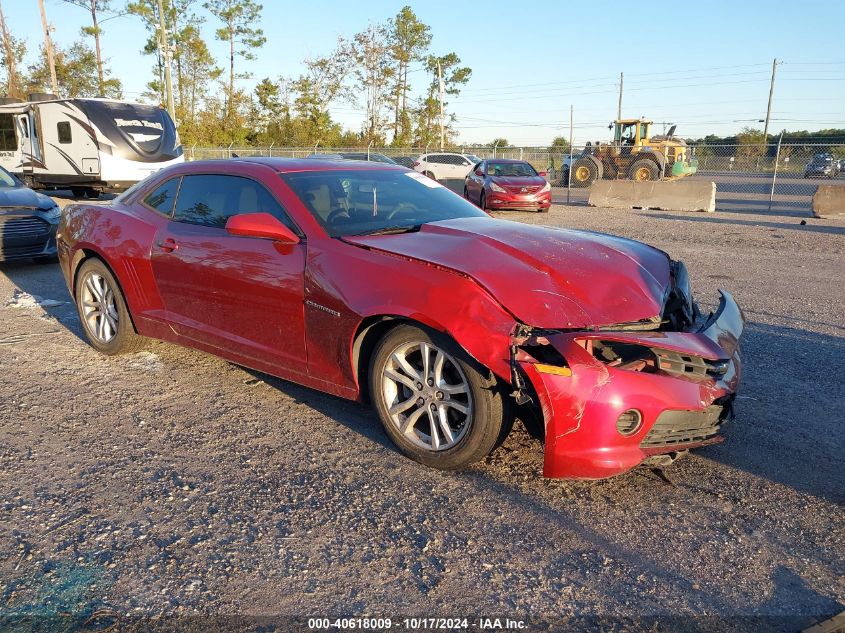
point(644, 170)
point(103, 312)
point(78, 192)
point(445, 412)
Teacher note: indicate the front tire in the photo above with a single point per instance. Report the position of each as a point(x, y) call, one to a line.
point(585, 172)
point(482, 201)
point(438, 406)
point(103, 312)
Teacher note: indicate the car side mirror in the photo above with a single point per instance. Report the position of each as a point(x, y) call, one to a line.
point(260, 225)
point(478, 172)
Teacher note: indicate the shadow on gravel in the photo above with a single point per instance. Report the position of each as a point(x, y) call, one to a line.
point(44, 281)
point(353, 415)
point(813, 228)
point(789, 411)
point(799, 209)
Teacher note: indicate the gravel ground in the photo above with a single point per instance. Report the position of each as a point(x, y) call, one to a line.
point(172, 482)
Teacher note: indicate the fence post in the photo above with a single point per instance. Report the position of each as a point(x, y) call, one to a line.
point(520, 153)
point(229, 149)
point(270, 149)
point(775, 173)
point(193, 147)
point(495, 145)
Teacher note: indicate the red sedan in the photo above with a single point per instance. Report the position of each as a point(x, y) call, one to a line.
point(373, 282)
point(507, 184)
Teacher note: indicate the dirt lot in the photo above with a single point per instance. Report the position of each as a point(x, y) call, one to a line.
point(173, 482)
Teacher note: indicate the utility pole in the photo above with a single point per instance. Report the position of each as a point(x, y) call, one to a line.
point(621, 84)
point(48, 46)
point(164, 47)
point(769, 107)
point(569, 170)
point(440, 82)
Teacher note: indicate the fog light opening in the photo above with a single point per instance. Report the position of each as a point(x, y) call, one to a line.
point(629, 422)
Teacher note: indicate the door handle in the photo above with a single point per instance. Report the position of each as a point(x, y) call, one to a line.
point(169, 245)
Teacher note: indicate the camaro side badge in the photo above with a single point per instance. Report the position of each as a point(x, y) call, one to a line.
point(308, 302)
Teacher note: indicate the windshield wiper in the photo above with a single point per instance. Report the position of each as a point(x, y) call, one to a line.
point(388, 230)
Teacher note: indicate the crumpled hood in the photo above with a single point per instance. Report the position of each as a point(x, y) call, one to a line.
point(21, 197)
point(545, 277)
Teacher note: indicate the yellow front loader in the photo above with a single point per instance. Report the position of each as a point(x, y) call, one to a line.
point(633, 154)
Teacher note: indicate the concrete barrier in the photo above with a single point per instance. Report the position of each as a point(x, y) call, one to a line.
point(672, 195)
point(829, 202)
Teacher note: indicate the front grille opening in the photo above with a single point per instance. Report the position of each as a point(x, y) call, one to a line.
point(623, 355)
point(674, 428)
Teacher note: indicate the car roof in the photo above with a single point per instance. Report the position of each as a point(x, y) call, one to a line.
point(505, 160)
point(286, 165)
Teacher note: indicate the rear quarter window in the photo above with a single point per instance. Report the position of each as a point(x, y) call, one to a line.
point(162, 198)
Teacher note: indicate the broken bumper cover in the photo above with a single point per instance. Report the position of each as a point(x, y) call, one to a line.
point(582, 403)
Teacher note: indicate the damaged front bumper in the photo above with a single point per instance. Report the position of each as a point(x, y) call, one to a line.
point(612, 399)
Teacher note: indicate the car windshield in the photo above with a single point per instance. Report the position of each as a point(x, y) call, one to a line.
point(510, 169)
point(8, 180)
point(360, 202)
point(475, 159)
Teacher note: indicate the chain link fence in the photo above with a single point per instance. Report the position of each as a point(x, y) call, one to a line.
point(774, 177)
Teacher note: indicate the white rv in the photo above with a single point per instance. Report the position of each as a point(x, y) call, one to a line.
point(86, 145)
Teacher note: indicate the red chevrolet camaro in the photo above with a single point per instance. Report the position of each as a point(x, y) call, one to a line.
point(373, 282)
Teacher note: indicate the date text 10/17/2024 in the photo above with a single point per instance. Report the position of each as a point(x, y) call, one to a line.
point(418, 624)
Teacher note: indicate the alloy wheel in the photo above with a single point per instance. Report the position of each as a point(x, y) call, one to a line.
point(98, 307)
point(427, 396)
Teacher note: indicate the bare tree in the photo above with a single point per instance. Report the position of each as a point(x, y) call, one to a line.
point(13, 52)
point(370, 51)
point(95, 7)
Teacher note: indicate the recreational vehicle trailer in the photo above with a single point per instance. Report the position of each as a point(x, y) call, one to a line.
point(85, 145)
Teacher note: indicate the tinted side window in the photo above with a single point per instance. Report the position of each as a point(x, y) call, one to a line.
point(8, 140)
point(436, 159)
point(63, 128)
point(211, 199)
point(162, 198)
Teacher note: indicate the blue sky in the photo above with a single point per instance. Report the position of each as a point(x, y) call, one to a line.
point(704, 66)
